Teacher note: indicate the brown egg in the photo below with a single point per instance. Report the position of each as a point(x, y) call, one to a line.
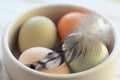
point(62, 69)
point(68, 23)
point(38, 53)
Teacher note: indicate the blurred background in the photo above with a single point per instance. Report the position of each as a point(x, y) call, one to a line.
point(9, 9)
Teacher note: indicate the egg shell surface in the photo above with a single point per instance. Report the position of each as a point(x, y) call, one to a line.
point(33, 54)
point(68, 23)
point(89, 60)
point(62, 69)
point(38, 31)
point(37, 53)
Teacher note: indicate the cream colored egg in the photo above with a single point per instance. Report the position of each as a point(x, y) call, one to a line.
point(37, 31)
point(33, 54)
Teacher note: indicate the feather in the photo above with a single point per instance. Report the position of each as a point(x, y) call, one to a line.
point(52, 60)
point(97, 26)
point(90, 39)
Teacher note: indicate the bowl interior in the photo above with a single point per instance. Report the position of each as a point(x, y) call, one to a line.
point(54, 12)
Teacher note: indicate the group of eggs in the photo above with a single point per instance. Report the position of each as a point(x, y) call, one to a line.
point(37, 38)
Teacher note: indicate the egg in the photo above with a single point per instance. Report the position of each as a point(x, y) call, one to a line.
point(90, 59)
point(68, 23)
point(35, 54)
point(62, 69)
point(38, 31)
point(87, 47)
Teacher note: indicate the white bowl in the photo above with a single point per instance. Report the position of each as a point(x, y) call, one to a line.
point(18, 71)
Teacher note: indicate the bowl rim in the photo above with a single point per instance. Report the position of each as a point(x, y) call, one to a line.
point(94, 69)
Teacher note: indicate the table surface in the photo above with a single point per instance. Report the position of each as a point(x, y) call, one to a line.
point(11, 9)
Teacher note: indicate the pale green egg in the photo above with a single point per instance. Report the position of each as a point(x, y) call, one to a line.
point(90, 59)
point(38, 31)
